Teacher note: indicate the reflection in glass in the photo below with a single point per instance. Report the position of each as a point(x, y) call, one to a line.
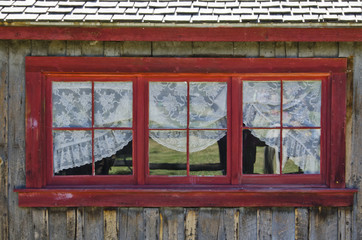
point(72, 152)
point(72, 104)
point(167, 153)
point(208, 104)
point(301, 151)
point(261, 151)
point(113, 104)
point(208, 153)
point(261, 104)
point(302, 103)
point(113, 152)
point(167, 105)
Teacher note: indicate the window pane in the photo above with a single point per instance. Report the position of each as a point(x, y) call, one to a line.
point(208, 105)
point(261, 151)
point(113, 104)
point(72, 104)
point(302, 103)
point(301, 151)
point(72, 152)
point(208, 151)
point(167, 104)
point(113, 152)
point(167, 153)
point(261, 104)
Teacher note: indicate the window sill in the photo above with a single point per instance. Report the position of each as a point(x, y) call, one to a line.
point(161, 197)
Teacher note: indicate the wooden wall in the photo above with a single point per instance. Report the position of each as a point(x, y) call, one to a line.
point(168, 223)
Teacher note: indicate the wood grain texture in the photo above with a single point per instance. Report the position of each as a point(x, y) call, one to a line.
point(58, 229)
point(152, 223)
point(172, 223)
point(4, 121)
point(71, 223)
point(93, 223)
point(16, 155)
point(230, 219)
point(93, 48)
point(280, 49)
point(209, 223)
point(40, 223)
point(267, 49)
point(326, 49)
point(111, 224)
point(112, 49)
point(264, 223)
point(246, 49)
point(323, 223)
point(301, 223)
point(283, 226)
point(57, 48)
point(79, 223)
point(176, 49)
point(136, 49)
point(306, 49)
point(248, 223)
point(131, 224)
point(203, 49)
point(344, 224)
point(73, 48)
point(191, 223)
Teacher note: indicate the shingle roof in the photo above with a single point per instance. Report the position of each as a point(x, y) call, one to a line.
point(182, 11)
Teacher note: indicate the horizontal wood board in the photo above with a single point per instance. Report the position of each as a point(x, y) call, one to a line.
point(170, 223)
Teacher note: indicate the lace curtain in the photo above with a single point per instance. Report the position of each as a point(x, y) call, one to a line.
point(168, 103)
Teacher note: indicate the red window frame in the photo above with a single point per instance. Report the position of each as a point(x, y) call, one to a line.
point(327, 188)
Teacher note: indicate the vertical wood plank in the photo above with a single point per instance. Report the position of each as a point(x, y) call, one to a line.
point(73, 48)
point(208, 224)
point(291, 49)
point(191, 224)
point(246, 49)
point(230, 218)
point(112, 49)
point(306, 49)
point(283, 225)
point(136, 49)
point(39, 48)
point(264, 223)
point(174, 49)
point(301, 223)
point(4, 121)
point(40, 223)
point(16, 155)
point(267, 49)
point(248, 223)
point(93, 223)
point(323, 223)
point(92, 48)
point(280, 49)
point(79, 231)
point(152, 223)
point(57, 48)
point(131, 224)
point(212, 49)
point(326, 49)
point(111, 224)
point(71, 224)
point(172, 224)
point(58, 229)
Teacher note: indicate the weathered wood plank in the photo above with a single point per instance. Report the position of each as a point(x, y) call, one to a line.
point(112, 49)
point(230, 217)
point(57, 48)
point(172, 224)
point(264, 223)
point(71, 227)
point(208, 224)
point(39, 48)
point(306, 49)
point(111, 224)
point(152, 223)
point(136, 49)
point(283, 227)
point(80, 220)
point(344, 224)
point(212, 49)
point(175, 49)
point(73, 48)
point(4, 121)
point(291, 49)
point(301, 223)
point(92, 48)
point(93, 223)
point(267, 49)
point(58, 229)
point(323, 223)
point(16, 155)
point(324, 49)
point(246, 49)
point(131, 225)
point(40, 223)
point(248, 223)
point(191, 223)
point(280, 49)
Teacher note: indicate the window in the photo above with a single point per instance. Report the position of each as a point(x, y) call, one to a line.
point(121, 131)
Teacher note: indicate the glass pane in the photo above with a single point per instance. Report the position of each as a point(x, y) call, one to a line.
point(261, 104)
point(167, 153)
point(113, 104)
point(302, 103)
point(72, 104)
point(167, 104)
point(208, 151)
point(208, 104)
point(301, 151)
point(72, 152)
point(261, 151)
point(113, 152)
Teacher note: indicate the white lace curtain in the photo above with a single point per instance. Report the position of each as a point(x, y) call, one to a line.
point(168, 103)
